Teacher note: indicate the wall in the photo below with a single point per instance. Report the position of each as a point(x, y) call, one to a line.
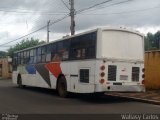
point(5, 68)
point(152, 69)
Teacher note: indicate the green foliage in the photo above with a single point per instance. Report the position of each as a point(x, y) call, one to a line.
point(26, 43)
point(152, 41)
point(3, 54)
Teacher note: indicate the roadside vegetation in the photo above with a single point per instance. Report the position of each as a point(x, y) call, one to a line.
point(152, 41)
point(25, 43)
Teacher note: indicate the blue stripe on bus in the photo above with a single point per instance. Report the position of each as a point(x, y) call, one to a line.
point(31, 69)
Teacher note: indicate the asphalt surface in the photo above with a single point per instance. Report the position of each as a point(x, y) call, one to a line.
point(32, 100)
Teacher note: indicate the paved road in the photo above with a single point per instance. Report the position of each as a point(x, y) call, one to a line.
point(38, 101)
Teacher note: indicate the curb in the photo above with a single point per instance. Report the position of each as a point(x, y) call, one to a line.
point(155, 102)
point(5, 78)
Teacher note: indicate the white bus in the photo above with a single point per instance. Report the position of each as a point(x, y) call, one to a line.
point(100, 60)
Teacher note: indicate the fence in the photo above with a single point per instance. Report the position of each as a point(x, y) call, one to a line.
point(152, 69)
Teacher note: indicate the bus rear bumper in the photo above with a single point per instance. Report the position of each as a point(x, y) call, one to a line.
point(120, 88)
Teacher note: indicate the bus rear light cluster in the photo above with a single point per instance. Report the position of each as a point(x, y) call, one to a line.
point(143, 82)
point(102, 74)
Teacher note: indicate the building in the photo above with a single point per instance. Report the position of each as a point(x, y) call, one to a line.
point(5, 68)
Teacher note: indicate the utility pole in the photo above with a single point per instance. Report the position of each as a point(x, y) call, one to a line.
point(72, 13)
point(48, 31)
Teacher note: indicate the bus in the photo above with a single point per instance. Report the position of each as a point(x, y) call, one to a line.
point(96, 61)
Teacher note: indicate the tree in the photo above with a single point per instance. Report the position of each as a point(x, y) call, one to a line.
point(152, 41)
point(149, 41)
point(2, 54)
point(26, 43)
point(157, 39)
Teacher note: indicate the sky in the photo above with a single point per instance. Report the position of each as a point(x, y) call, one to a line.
point(21, 17)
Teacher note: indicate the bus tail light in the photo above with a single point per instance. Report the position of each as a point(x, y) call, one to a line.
point(102, 67)
point(143, 82)
point(143, 70)
point(143, 76)
point(102, 74)
point(102, 81)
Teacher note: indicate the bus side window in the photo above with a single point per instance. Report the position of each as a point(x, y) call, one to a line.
point(90, 45)
point(27, 57)
point(48, 53)
point(83, 47)
point(15, 60)
point(43, 54)
point(19, 58)
point(34, 56)
point(39, 55)
point(75, 49)
point(22, 58)
point(53, 51)
point(31, 60)
point(62, 49)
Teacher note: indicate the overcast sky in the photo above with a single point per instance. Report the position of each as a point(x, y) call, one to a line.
point(20, 17)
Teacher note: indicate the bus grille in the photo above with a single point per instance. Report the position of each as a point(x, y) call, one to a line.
point(84, 75)
point(112, 70)
point(135, 74)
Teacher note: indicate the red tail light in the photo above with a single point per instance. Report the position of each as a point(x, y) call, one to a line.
point(102, 81)
point(143, 82)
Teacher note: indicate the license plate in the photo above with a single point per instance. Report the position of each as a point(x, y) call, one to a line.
point(123, 77)
point(118, 83)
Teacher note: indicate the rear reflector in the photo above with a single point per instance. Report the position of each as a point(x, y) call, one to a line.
point(107, 82)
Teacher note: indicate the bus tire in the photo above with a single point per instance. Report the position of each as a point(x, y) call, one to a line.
point(62, 87)
point(19, 81)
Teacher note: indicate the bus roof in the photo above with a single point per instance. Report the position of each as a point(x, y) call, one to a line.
point(86, 32)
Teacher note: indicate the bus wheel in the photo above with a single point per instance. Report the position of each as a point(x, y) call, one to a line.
point(19, 81)
point(62, 87)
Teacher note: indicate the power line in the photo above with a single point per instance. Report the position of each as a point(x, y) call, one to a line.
point(65, 5)
point(124, 12)
point(58, 20)
point(112, 5)
point(93, 6)
point(48, 4)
